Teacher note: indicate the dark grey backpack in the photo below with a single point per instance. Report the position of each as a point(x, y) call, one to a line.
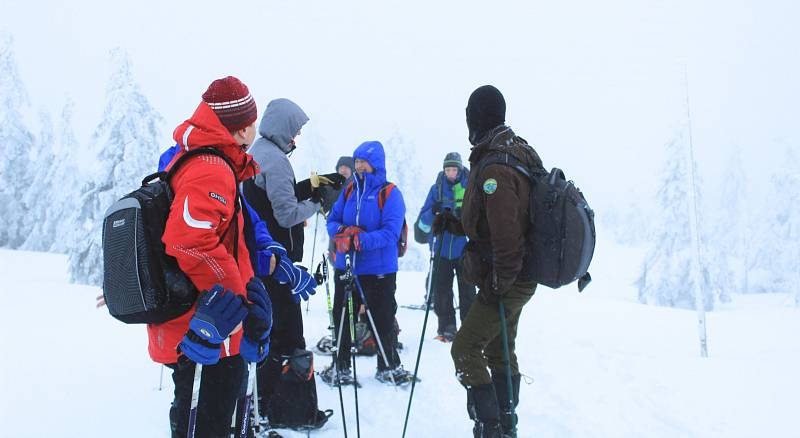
point(141, 283)
point(561, 237)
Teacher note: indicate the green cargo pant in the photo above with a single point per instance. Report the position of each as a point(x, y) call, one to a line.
point(479, 342)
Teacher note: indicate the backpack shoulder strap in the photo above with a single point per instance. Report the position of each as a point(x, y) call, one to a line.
point(508, 160)
point(348, 190)
point(193, 153)
point(167, 176)
point(383, 195)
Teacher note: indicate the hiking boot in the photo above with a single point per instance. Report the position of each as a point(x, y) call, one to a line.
point(396, 376)
point(483, 409)
point(489, 429)
point(446, 336)
point(508, 416)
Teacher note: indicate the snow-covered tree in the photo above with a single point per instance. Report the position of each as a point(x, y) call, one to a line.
point(666, 278)
point(33, 199)
point(401, 169)
point(779, 252)
point(16, 143)
point(127, 143)
point(53, 208)
point(727, 241)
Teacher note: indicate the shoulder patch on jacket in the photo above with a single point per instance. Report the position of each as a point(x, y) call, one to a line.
point(219, 198)
point(490, 186)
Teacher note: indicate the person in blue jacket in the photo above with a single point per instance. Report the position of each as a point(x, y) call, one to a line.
point(365, 223)
point(447, 194)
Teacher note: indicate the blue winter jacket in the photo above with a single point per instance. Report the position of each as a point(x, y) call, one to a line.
point(381, 228)
point(256, 236)
point(451, 245)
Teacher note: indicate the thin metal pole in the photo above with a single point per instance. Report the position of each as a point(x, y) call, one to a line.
point(432, 270)
point(507, 360)
point(198, 372)
point(313, 248)
point(338, 338)
point(694, 227)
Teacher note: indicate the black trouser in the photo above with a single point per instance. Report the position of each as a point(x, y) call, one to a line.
point(286, 335)
point(379, 291)
point(220, 386)
point(338, 304)
point(443, 294)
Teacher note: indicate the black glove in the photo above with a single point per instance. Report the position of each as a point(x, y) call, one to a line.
point(318, 185)
point(327, 197)
point(447, 221)
point(333, 179)
point(488, 292)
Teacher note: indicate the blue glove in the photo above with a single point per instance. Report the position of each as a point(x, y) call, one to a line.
point(218, 312)
point(305, 285)
point(261, 262)
point(286, 272)
point(258, 324)
point(258, 240)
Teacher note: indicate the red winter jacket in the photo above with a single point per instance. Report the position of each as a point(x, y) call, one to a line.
point(197, 232)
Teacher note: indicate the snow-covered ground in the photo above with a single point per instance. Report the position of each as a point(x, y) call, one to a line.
point(599, 364)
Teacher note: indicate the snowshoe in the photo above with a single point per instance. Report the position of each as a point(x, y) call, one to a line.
point(397, 376)
point(345, 377)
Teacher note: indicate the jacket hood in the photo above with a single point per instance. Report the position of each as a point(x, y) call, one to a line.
point(281, 121)
point(204, 129)
point(372, 152)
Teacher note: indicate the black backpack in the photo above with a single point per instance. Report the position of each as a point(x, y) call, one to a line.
point(141, 283)
point(293, 400)
point(561, 237)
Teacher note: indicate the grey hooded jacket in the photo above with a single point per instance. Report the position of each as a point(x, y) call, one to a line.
point(281, 209)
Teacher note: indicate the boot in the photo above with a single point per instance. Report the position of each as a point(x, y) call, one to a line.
point(508, 416)
point(483, 409)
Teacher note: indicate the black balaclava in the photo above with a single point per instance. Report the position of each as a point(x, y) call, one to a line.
point(486, 110)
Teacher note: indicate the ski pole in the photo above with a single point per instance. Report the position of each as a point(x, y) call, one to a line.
point(433, 268)
point(198, 372)
point(257, 416)
point(349, 295)
point(161, 379)
point(245, 403)
point(374, 328)
point(507, 360)
point(313, 248)
point(332, 327)
point(372, 323)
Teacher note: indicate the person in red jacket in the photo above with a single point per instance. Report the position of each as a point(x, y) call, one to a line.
point(204, 232)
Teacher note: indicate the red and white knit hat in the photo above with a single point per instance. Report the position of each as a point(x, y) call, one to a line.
point(232, 103)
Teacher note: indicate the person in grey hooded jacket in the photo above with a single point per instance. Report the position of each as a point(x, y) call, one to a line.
point(284, 205)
